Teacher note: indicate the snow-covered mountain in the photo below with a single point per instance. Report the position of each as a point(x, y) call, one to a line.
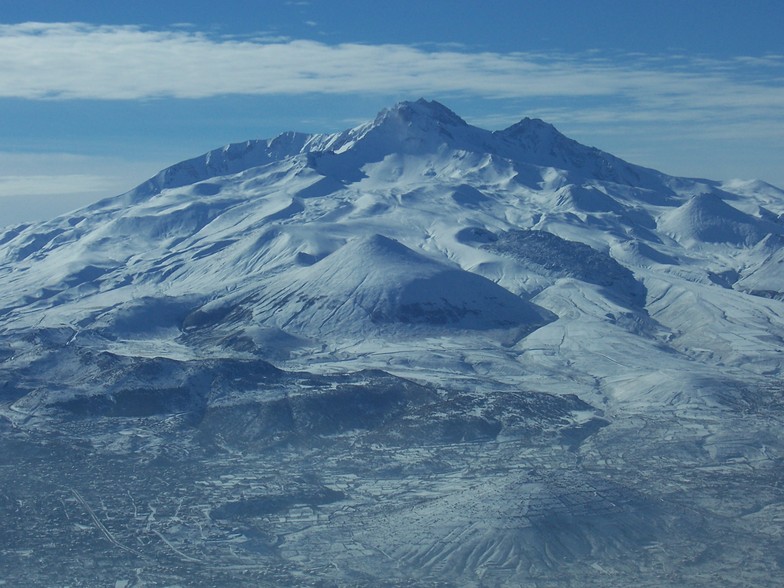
point(419, 282)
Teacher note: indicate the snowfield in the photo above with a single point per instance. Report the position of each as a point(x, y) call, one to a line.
point(459, 356)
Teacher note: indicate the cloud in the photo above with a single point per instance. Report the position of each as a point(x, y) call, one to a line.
point(40, 196)
point(36, 186)
point(82, 61)
point(53, 184)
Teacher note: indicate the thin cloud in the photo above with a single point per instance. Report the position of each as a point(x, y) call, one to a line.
point(50, 185)
point(25, 198)
point(82, 61)
point(30, 179)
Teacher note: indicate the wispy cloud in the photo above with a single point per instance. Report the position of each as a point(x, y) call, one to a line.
point(32, 176)
point(40, 196)
point(49, 185)
point(42, 185)
point(82, 61)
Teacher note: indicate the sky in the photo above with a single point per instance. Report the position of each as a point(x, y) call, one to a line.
point(95, 97)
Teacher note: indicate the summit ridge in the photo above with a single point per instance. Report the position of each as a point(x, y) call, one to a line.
point(419, 127)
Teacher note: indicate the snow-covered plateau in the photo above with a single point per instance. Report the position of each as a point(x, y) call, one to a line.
point(414, 353)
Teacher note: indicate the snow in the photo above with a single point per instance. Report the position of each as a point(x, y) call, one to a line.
point(402, 224)
point(377, 284)
point(518, 358)
point(706, 218)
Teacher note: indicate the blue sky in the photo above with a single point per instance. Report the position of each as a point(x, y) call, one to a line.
point(97, 96)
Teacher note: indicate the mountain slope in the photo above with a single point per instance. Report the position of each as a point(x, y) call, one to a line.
point(457, 355)
point(377, 280)
point(707, 218)
point(273, 241)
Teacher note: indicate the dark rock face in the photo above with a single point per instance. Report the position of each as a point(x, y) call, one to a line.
point(562, 258)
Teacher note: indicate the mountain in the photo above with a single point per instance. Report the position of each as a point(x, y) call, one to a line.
point(461, 356)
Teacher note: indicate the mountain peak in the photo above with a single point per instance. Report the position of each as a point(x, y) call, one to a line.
point(532, 125)
point(538, 142)
point(407, 127)
point(536, 134)
point(422, 110)
point(422, 118)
